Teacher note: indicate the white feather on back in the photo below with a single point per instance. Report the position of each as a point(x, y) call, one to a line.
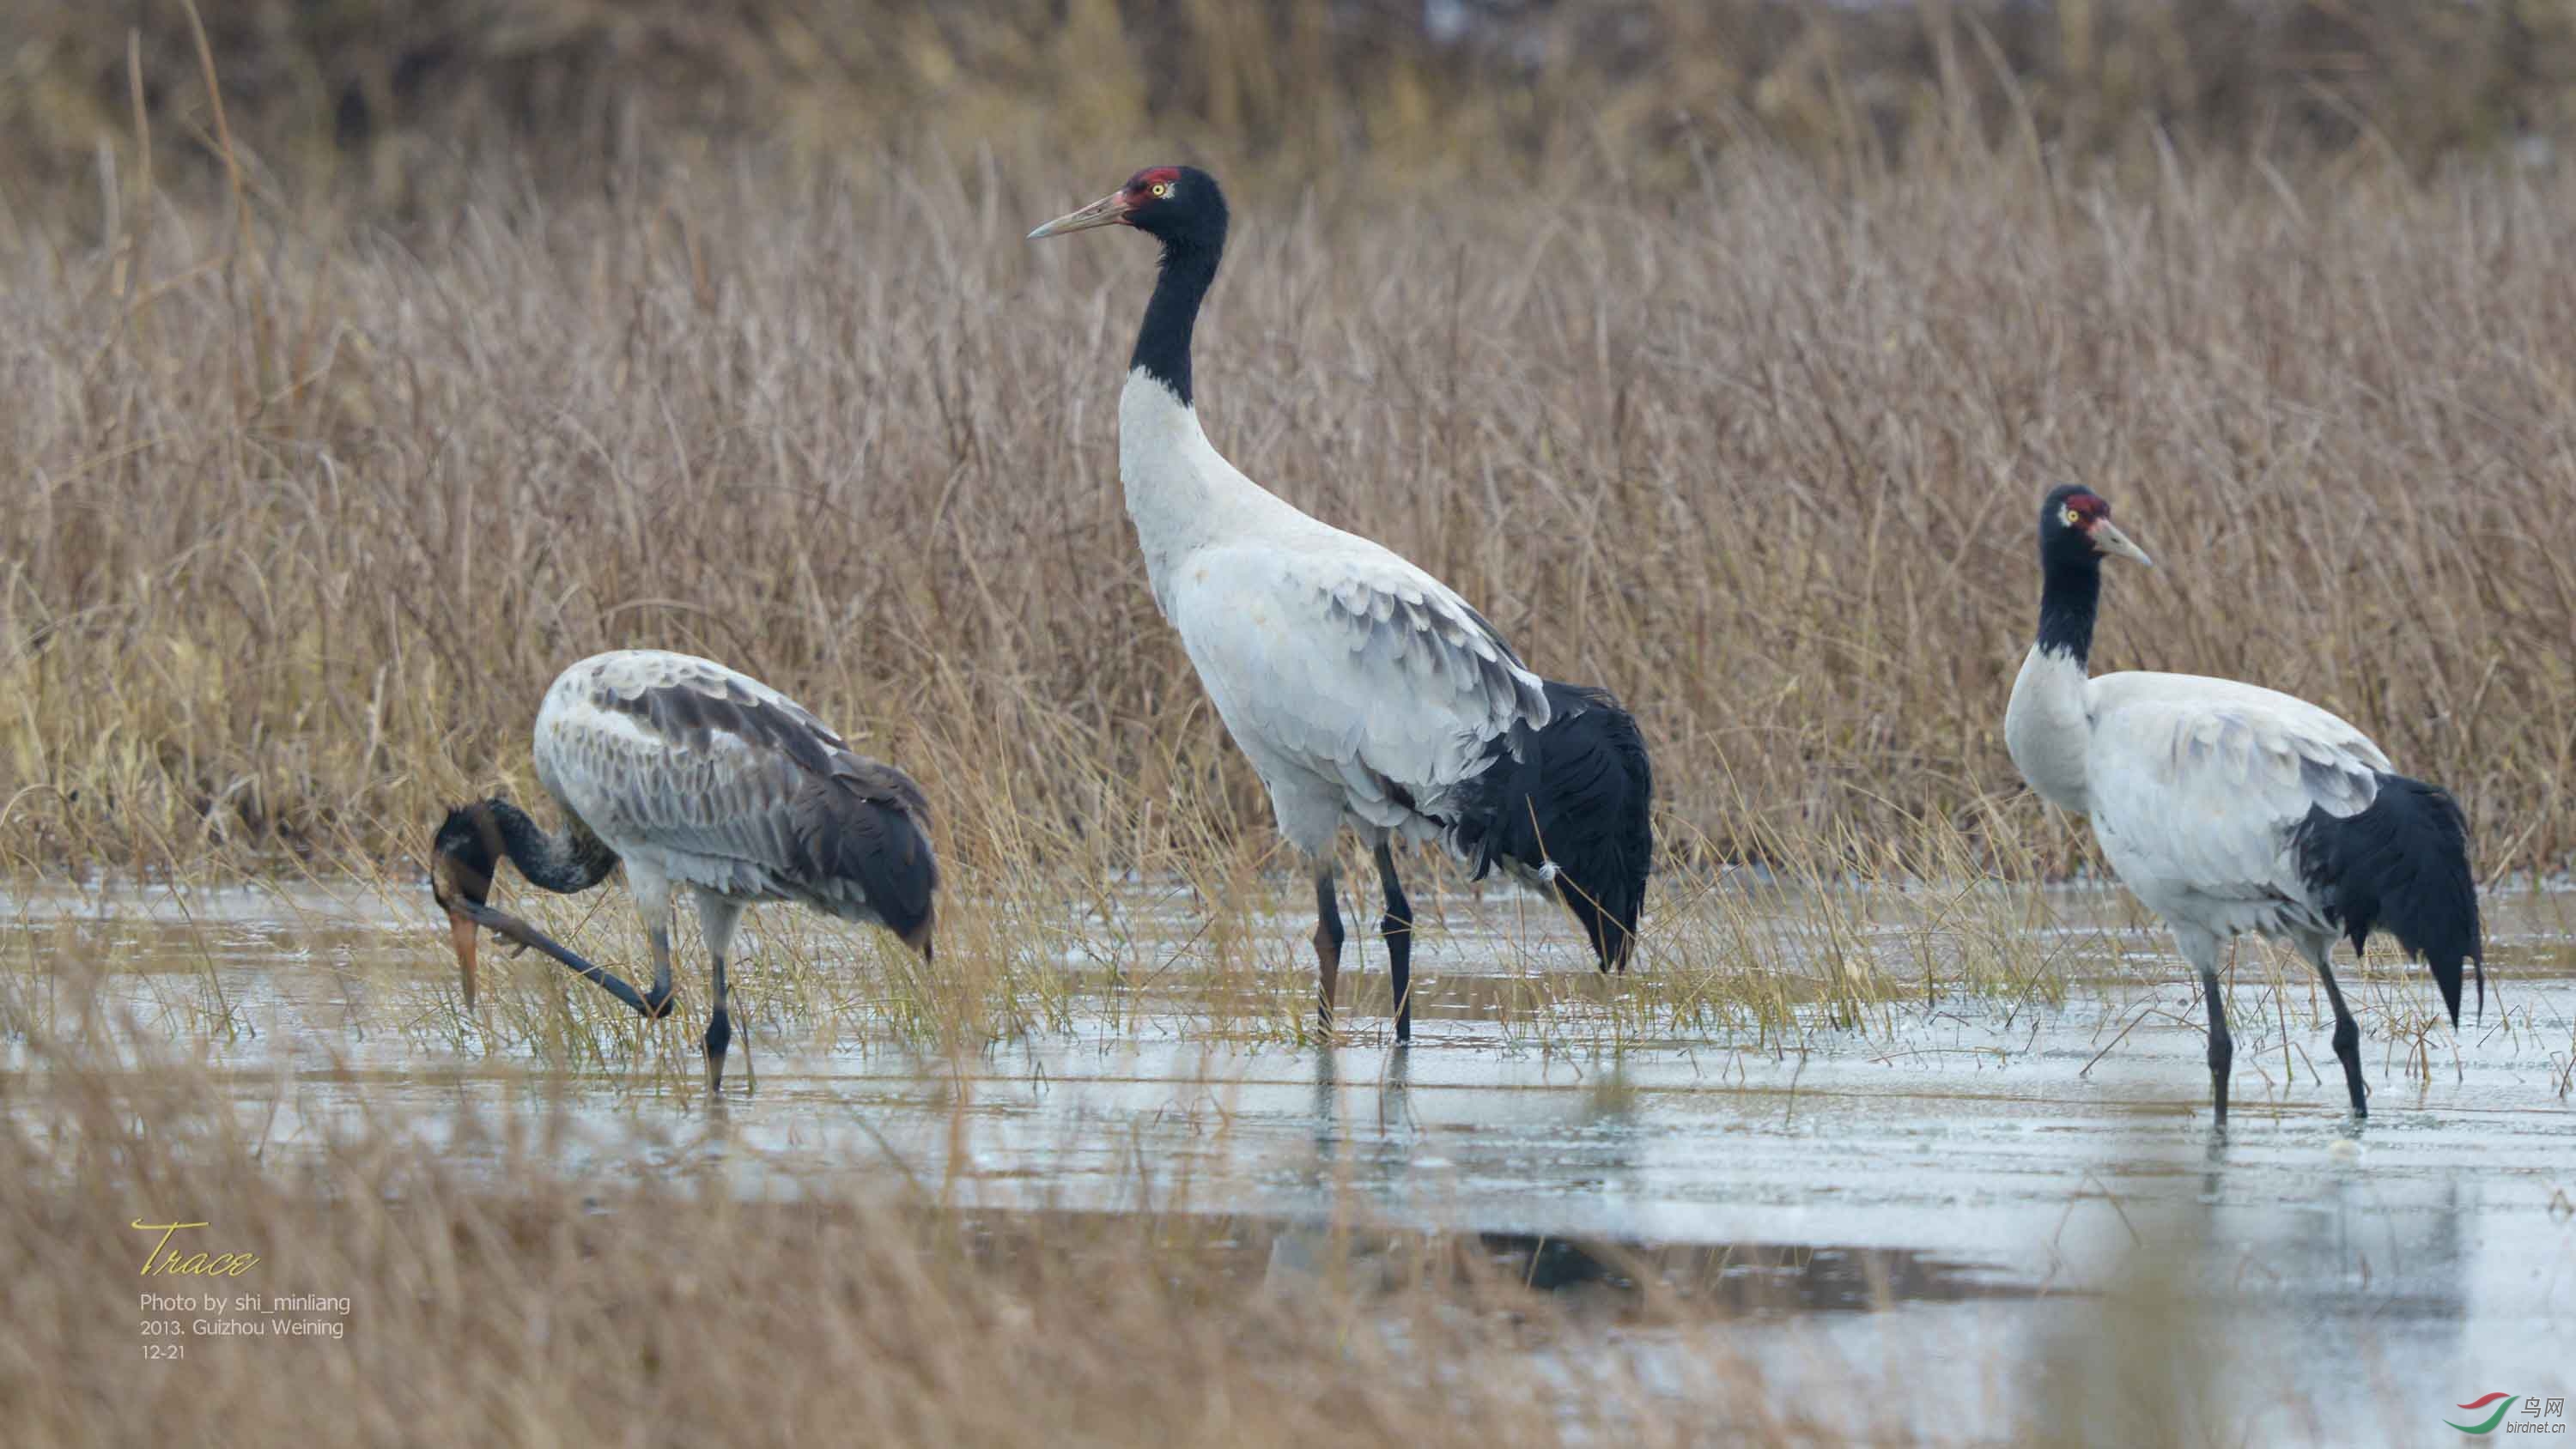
point(2196, 785)
point(1352, 665)
point(1335, 663)
point(711, 806)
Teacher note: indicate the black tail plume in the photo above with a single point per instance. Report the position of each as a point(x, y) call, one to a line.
point(2402, 866)
point(871, 834)
point(1579, 798)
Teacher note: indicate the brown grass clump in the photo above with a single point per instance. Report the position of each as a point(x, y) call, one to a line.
point(1721, 359)
point(396, 105)
point(305, 528)
point(486, 1289)
point(315, 492)
point(515, 1302)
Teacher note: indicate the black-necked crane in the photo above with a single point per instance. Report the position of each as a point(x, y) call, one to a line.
point(698, 776)
point(2229, 808)
point(1362, 688)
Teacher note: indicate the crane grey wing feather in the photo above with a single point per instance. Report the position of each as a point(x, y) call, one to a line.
point(1354, 665)
point(737, 788)
point(2206, 784)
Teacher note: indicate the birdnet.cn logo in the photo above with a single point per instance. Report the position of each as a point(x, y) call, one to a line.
point(2531, 1414)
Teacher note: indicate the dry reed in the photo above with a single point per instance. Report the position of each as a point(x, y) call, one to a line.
point(473, 1283)
point(1721, 360)
point(316, 492)
point(304, 528)
point(543, 1308)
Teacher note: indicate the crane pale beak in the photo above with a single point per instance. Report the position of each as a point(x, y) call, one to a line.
point(1107, 211)
point(2112, 541)
point(460, 934)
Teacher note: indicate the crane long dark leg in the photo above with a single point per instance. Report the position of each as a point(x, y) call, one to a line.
point(510, 928)
point(2222, 1047)
point(1328, 944)
point(1397, 928)
point(2347, 1032)
point(652, 892)
point(657, 1002)
point(2202, 947)
point(717, 918)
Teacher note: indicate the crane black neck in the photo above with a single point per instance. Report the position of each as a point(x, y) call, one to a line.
point(2070, 593)
point(1163, 343)
point(565, 864)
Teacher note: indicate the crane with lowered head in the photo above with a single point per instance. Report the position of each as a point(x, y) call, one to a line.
point(696, 777)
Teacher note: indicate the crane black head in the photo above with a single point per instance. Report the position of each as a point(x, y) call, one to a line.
point(1178, 205)
point(463, 856)
point(464, 853)
point(2075, 531)
point(1182, 207)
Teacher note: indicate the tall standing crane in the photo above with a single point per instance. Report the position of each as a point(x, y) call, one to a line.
point(2231, 808)
point(1362, 688)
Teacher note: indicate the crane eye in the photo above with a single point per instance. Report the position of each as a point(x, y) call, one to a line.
point(1162, 188)
point(2070, 518)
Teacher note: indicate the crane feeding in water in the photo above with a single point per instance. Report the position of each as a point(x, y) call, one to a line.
point(2231, 808)
point(700, 777)
point(1362, 688)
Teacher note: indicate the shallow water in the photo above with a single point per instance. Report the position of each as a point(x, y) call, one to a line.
point(1955, 1190)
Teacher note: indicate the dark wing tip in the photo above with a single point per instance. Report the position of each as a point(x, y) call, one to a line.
point(866, 827)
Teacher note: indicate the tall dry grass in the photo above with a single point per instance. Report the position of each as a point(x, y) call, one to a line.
point(1721, 359)
point(396, 105)
point(304, 527)
point(315, 490)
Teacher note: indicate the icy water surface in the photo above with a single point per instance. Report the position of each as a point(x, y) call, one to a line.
point(1952, 1190)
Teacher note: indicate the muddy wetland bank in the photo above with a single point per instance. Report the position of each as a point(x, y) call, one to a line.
point(365, 377)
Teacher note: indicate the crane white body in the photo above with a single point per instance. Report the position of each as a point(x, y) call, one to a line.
point(1361, 688)
point(701, 776)
point(2229, 808)
point(1339, 667)
point(2196, 788)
